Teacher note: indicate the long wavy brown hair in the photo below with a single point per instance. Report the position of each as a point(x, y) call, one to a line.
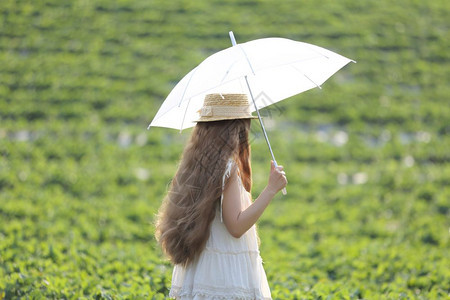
point(185, 216)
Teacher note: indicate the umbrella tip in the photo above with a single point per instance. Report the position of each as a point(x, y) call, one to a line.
point(233, 40)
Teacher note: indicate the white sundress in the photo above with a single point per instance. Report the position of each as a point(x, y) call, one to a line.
point(228, 267)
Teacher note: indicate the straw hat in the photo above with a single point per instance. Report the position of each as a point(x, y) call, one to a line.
point(218, 107)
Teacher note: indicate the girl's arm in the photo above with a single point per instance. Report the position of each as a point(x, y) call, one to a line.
point(237, 220)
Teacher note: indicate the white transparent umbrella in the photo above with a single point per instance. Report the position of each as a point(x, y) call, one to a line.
point(268, 70)
point(275, 69)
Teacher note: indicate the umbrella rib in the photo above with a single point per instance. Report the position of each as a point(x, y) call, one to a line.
point(290, 63)
point(187, 85)
point(307, 77)
point(184, 115)
point(246, 57)
point(316, 51)
point(228, 72)
point(191, 96)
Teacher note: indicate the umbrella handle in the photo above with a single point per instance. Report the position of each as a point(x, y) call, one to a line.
point(284, 189)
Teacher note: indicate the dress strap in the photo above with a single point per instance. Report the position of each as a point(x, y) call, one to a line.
point(225, 175)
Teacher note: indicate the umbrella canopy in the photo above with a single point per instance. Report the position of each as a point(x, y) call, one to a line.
point(274, 68)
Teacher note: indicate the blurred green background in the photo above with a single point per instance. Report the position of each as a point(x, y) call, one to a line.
point(367, 215)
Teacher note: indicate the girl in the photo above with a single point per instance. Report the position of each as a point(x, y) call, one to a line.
point(206, 224)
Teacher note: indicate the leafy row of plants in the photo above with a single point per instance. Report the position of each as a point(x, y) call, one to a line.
point(367, 210)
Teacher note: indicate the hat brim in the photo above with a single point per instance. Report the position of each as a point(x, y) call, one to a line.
point(212, 119)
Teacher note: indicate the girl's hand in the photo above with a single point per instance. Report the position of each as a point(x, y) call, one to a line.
point(238, 219)
point(277, 178)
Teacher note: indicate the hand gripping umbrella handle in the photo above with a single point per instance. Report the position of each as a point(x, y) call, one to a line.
point(284, 189)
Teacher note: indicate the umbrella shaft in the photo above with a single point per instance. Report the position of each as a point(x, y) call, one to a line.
point(260, 122)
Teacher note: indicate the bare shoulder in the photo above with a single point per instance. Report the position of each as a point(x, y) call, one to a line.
point(232, 178)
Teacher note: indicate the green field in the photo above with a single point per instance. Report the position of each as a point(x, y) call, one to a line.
point(367, 214)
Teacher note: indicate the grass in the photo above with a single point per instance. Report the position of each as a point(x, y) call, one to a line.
point(367, 211)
